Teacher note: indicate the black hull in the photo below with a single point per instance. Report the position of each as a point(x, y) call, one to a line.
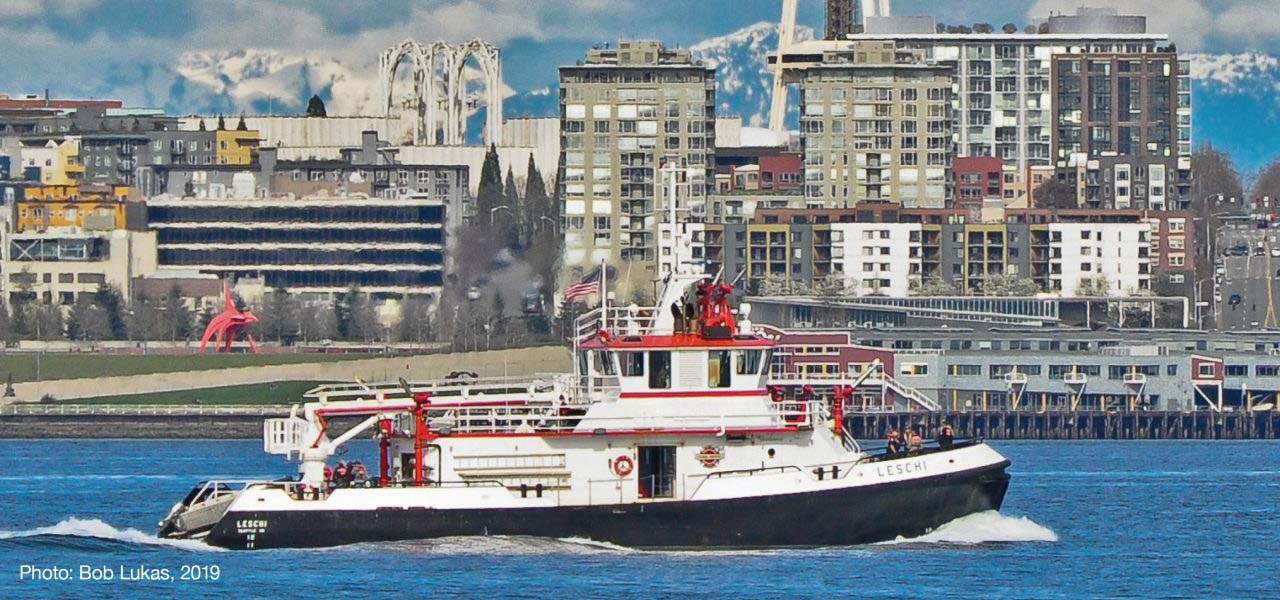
point(848, 516)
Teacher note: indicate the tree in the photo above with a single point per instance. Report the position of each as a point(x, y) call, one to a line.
point(415, 320)
point(509, 220)
point(933, 286)
point(278, 316)
point(490, 194)
point(316, 322)
point(112, 302)
point(48, 319)
point(1008, 284)
point(356, 316)
point(1056, 194)
point(1096, 286)
point(6, 325)
point(175, 316)
point(88, 321)
point(315, 107)
point(535, 205)
point(1268, 184)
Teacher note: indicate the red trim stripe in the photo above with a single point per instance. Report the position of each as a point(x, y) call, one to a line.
point(696, 394)
point(632, 432)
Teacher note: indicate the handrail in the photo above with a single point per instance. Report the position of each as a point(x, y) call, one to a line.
point(34, 409)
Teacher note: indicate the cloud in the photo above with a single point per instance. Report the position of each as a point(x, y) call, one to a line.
point(1256, 21)
point(1246, 72)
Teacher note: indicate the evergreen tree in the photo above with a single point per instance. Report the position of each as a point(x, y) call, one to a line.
point(342, 312)
point(111, 301)
point(315, 107)
point(490, 194)
point(88, 321)
point(6, 324)
point(509, 219)
point(537, 205)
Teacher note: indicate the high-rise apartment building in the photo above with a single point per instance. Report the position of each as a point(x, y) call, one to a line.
point(1123, 132)
point(875, 125)
point(1003, 105)
point(625, 112)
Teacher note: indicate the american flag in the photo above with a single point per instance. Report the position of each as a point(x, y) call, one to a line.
point(589, 285)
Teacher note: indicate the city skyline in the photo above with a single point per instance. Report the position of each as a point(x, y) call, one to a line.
point(220, 56)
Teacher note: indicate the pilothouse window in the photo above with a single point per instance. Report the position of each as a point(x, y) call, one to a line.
point(660, 370)
point(632, 363)
point(718, 368)
point(749, 362)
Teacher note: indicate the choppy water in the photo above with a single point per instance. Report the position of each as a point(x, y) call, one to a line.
point(1082, 520)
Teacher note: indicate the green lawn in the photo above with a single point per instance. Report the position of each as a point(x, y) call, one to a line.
point(284, 392)
point(24, 366)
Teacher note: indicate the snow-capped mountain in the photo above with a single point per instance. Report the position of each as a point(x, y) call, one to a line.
point(1236, 96)
point(264, 81)
point(743, 81)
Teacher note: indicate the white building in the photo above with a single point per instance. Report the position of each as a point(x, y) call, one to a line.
point(1120, 253)
point(877, 258)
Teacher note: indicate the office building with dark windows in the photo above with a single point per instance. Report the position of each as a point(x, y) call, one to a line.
point(319, 245)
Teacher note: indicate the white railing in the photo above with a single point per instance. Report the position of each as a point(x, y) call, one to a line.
point(621, 320)
point(548, 419)
point(144, 410)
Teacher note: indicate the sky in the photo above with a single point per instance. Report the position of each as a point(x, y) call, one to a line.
point(129, 48)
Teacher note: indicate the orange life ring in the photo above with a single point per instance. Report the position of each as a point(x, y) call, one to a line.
point(623, 466)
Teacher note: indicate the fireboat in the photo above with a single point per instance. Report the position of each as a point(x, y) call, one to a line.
point(667, 434)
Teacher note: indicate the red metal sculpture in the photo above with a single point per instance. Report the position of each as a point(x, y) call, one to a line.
point(226, 325)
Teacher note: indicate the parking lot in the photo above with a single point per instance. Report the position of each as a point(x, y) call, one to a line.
point(1245, 273)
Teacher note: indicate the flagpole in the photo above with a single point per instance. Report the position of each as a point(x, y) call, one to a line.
point(604, 292)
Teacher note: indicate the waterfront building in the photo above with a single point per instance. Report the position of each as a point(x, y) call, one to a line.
point(318, 245)
point(59, 265)
point(875, 126)
point(882, 249)
point(625, 112)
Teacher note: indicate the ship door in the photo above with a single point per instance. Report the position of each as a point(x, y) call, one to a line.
point(657, 471)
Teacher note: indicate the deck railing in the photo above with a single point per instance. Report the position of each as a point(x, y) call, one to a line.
point(144, 410)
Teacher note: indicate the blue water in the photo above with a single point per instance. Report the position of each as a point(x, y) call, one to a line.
point(1082, 520)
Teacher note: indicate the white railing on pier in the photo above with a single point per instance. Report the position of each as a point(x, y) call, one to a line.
point(145, 410)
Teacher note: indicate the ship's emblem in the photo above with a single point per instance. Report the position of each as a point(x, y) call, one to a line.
point(710, 456)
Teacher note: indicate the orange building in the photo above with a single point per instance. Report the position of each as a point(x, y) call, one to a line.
point(54, 206)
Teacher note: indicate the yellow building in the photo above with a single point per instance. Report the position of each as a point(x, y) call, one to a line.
point(236, 147)
point(55, 206)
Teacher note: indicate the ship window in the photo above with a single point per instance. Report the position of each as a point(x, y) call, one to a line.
point(632, 363)
point(718, 368)
point(749, 362)
point(660, 370)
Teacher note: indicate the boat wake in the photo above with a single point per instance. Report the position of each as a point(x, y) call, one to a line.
point(93, 534)
point(987, 527)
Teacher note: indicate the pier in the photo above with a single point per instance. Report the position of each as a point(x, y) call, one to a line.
point(1073, 425)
